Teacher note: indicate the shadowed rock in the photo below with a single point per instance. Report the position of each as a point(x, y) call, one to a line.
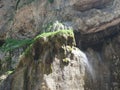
point(100, 33)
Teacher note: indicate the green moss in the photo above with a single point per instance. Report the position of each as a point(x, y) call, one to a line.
point(59, 32)
point(11, 44)
point(49, 35)
point(27, 51)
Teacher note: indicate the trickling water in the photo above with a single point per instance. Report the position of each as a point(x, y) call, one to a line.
point(88, 66)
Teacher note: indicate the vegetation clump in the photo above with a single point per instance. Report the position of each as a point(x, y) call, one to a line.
point(11, 44)
point(59, 32)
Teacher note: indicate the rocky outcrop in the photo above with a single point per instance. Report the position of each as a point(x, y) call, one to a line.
point(47, 65)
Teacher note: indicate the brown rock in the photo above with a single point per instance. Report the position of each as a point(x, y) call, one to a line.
point(84, 5)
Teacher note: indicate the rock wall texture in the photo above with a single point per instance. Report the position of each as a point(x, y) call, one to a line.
point(26, 18)
point(96, 25)
point(105, 60)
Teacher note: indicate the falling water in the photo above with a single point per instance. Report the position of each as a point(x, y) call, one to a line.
point(85, 60)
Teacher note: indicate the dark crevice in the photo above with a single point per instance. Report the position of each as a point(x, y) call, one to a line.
point(17, 3)
point(96, 39)
point(1, 42)
point(26, 79)
point(77, 38)
point(37, 51)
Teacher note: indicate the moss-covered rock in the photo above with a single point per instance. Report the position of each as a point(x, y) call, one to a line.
point(48, 60)
point(53, 39)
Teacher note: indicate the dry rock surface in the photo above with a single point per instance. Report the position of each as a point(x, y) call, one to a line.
point(25, 19)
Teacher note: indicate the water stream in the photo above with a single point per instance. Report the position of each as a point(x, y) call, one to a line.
point(88, 65)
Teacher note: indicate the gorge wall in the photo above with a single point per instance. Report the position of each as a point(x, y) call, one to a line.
point(94, 66)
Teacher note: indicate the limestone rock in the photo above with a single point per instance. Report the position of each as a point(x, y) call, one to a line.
point(47, 65)
point(6, 16)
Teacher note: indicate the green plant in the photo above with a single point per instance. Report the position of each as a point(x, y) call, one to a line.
point(59, 32)
point(11, 44)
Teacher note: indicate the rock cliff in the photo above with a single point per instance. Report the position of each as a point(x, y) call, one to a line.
point(53, 61)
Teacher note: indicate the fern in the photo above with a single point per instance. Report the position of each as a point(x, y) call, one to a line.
point(11, 44)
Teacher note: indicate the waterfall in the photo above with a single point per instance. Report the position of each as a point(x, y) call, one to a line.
point(89, 67)
point(85, 60)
